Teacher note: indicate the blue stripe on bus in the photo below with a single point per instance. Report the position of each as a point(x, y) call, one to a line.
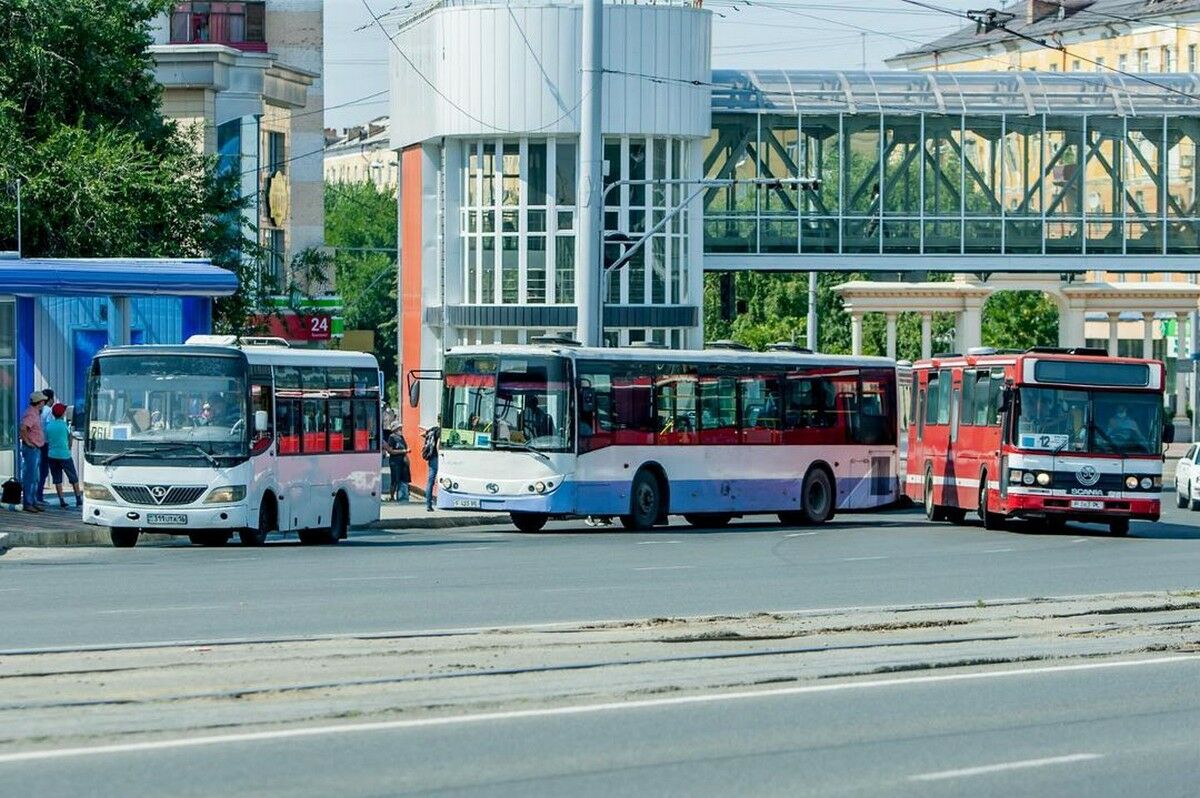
point(692, 496)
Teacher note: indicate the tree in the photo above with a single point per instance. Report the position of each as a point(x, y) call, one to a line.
point(1019, 320)
point(361, 227)
point(102, 173)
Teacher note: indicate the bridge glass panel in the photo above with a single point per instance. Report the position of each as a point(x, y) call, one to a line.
point(820, 144)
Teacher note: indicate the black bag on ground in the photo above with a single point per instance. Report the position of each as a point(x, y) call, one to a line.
point(10, 492)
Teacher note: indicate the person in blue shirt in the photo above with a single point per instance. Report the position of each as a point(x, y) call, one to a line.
point(58, 444)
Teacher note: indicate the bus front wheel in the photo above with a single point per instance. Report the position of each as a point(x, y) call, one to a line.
point(123, 538)
point(933, 512)
point(645, 498)
point(1119, 527)
point(529, 522)
point(990, 520)
point(266, 524)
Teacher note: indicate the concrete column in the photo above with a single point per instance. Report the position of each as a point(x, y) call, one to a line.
point(1147, 334)
point(1114, 323)
point(891, 335)
point(856, 332)
point(926, 335)
point(119, 322)
point(1181, 392)
point(970, 332)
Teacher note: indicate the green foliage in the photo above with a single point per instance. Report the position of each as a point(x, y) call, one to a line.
point(102, 173)
point(1019, 320)
point(361, 227)
point(777, 309)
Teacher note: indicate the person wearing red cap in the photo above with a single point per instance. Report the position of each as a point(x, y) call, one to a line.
point(58, 444)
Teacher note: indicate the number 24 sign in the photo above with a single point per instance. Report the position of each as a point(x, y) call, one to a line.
point(317, 328)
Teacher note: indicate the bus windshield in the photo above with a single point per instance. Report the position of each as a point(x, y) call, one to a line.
point(171, 406)
point(496, 402)
point(1096, 422)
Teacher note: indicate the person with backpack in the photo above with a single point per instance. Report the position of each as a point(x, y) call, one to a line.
point(396, 450)
point(429, 453)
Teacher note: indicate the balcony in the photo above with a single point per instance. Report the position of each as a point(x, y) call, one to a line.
point(238, 25)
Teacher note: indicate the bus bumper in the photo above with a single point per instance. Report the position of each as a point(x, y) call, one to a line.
point(559, 502)
point(165, 519)
point(1142, 508)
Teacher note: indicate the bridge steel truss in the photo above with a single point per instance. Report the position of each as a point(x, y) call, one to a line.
point(978, 172)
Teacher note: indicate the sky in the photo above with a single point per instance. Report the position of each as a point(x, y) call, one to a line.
point(772, 34)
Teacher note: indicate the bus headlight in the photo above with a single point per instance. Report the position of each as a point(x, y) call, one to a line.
point(1043, 479)
point(1147, 483)
point(1014, 476)
point(1156, 482)
point(1131, 482)
point(1027, 478)
point(540, 487)
point(226, 495)
point(445, 482)
point(97, 493)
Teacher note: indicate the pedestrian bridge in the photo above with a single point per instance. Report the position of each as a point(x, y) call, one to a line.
point(958, 172)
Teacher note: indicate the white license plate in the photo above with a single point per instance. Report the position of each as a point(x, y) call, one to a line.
point(166, 519)
point(1086, 505)
point(466, 504)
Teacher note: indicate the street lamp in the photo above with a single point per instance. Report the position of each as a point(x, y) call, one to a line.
point(630, 245)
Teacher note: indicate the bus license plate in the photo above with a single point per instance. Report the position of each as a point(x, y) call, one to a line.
point(466, 504)
point(166, 519)
point(1086, 505)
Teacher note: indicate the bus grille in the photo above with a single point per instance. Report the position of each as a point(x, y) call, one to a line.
point(175, 495)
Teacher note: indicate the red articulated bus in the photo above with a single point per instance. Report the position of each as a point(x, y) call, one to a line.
point(1049, 435)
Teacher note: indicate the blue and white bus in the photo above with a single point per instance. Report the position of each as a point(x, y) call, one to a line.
point(562, 431)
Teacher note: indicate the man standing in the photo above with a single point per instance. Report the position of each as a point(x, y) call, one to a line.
point(429, 453)
point(44, 461)
point(33, 438)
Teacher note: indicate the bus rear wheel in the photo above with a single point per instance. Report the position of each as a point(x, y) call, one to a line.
point(817, 492)
point(123, 538)
point(645, 498)
point(339, 526)
point(710, 520)
point(529, 522)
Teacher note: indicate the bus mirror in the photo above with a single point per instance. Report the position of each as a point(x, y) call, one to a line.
point(1006, 396)
point(587, 400)
point(261, 421)
point(414, 393)
point(1168, 435)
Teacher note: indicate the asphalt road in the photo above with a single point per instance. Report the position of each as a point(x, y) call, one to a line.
point(378, 582)
point(1095, 729)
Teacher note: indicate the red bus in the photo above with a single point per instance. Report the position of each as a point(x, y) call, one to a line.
point(1049, 435)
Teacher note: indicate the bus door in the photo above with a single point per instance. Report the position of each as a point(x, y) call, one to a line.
point(938, 462)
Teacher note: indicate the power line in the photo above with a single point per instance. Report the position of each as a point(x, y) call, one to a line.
point(988, 19)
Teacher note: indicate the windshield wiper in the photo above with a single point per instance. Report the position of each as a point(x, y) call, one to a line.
point(151, 450)
point(521, 447)
point(1115, 448)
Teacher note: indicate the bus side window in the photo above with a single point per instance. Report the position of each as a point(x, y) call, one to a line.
point(945, 385)
point(313, 440)
point(718, 410)
point(929, 398)
point(287, 425)
point(995, 389)
point(760, 413)
point(966, 416)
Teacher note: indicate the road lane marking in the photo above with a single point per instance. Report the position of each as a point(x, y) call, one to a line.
point(367, 578)
point(473, 548)
point(1023, 764)
point(655, 542)
point(665, 568)
point(163, 609)
point(861, 559)
point(799, 534)
point(581, 709)
point(995, 551)
point(1080, 540)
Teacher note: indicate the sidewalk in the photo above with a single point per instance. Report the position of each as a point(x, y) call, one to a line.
point(59, 527)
